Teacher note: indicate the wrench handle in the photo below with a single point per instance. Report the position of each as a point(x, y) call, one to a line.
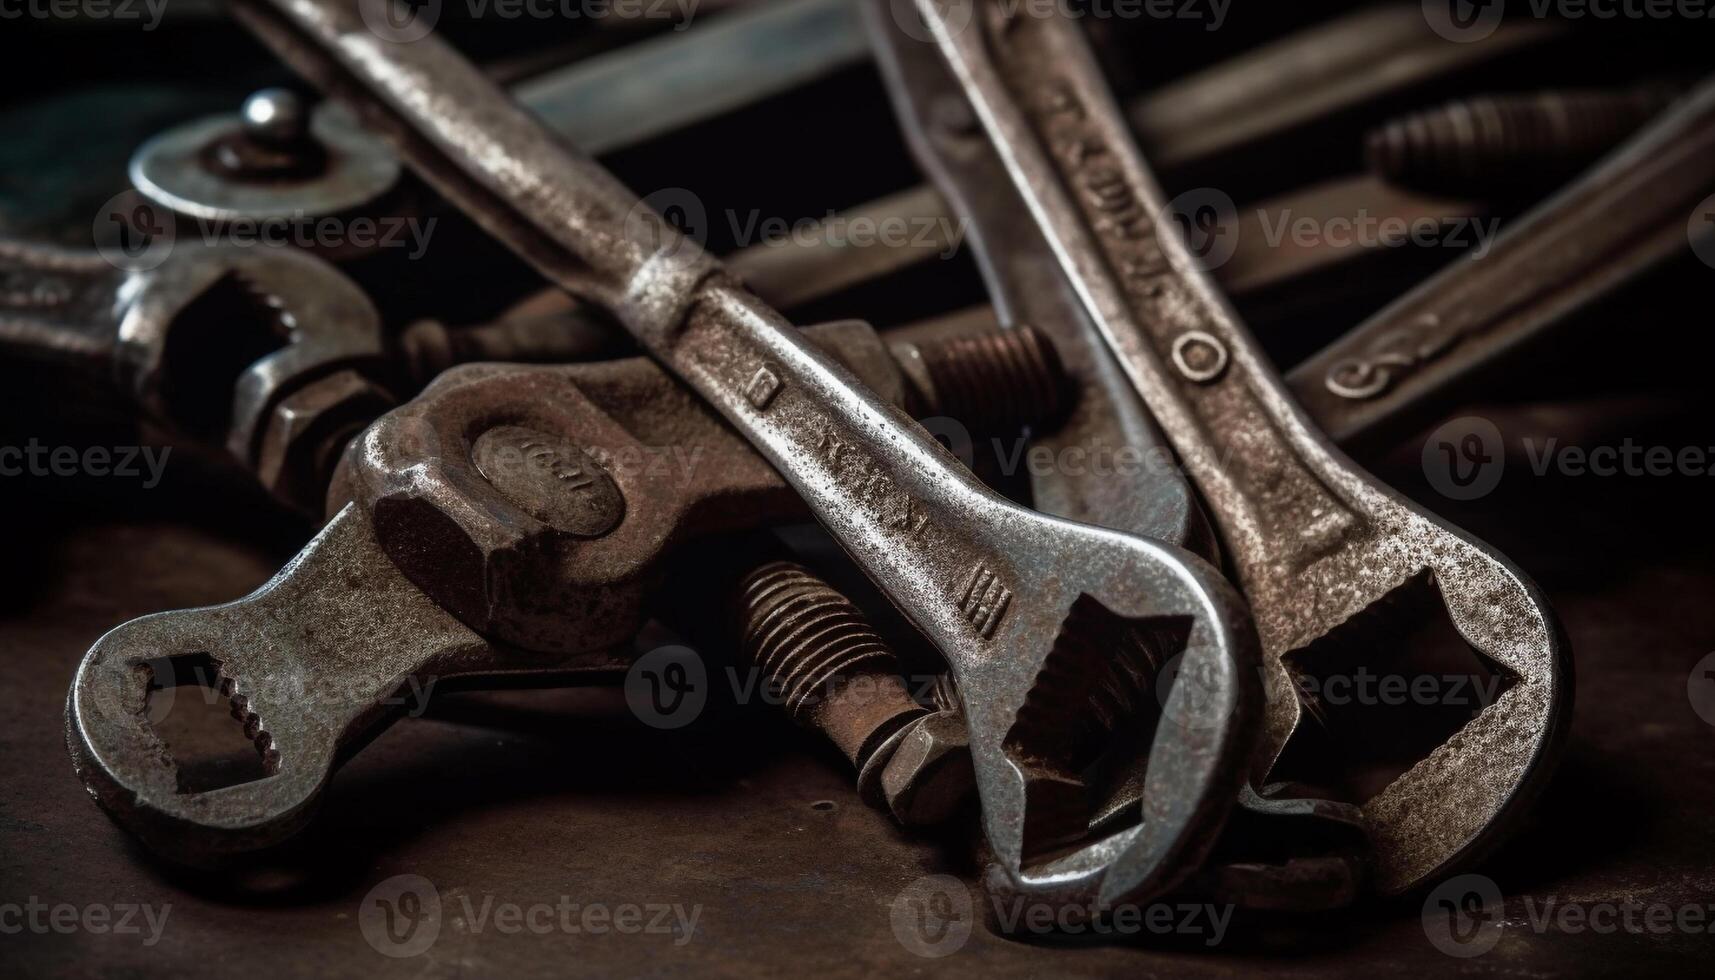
point(880, 483)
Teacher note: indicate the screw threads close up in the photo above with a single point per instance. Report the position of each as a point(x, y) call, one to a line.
point(805, 636)
point(999, 381)
point(1494, 142)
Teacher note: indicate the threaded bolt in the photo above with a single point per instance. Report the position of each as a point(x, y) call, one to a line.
point(998, 381)
point(1508, 142)
point(836, 675)
point(818, 652)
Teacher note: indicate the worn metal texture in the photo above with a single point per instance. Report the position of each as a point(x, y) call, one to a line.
point(476, 505)
point(1623, 217)
point(498, 799)
point(1025, 287)
point(1318, 546)
point(1027, 610)
point(208, 339)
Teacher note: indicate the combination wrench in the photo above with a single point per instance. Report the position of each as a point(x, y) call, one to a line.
point(1035, 615)
point(1320, 548)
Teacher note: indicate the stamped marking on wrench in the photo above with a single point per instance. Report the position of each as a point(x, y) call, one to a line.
point(1316, 544)
point(899, 503)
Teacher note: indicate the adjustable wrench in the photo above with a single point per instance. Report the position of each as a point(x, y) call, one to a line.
point(1033, 614)
point(1315, 542)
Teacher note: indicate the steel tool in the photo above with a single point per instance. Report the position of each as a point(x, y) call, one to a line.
point(531, 504)
point(1028, 610)
point(1028, 286)
point(1628, 214)
point(1316, 544)
point(210, 340)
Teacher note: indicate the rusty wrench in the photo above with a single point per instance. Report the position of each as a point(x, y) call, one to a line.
point(1314, 541)
point(991, 584)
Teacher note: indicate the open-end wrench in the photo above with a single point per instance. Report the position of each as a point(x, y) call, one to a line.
point(384, 605)
point(1035, 615)
point(1315, 543)
point(1028, 286)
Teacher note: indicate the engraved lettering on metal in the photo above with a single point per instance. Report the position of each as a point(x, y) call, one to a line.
point(984, 600)
point(763, 386)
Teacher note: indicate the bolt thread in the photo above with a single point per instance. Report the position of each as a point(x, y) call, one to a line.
point(999, 381)
point(806, 637)
point(1500, 142)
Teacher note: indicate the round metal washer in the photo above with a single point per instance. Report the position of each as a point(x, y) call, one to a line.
point(173, 171)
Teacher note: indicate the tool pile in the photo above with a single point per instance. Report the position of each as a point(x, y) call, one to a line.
point(1123, 661)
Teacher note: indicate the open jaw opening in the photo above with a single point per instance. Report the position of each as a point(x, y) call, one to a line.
point(1383, 690)
point(212, 738)
point(1085, 729)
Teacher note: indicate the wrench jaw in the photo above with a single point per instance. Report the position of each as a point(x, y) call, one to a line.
point(1454, 806)
point(131, 771)
point(1150, 642)
point(306, 697)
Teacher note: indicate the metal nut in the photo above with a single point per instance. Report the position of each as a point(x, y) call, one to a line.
point(929, 775)
point(309, 429)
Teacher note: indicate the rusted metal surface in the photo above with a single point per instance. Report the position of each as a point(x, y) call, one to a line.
point(1314, 542)
point(479, 513)
point(1509, 143)
point(504, 797)
point(1623, 217)
point(208, 339)
point(988, 582)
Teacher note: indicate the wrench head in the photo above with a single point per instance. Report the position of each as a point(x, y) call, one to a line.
point(1404, 569)
point(1122, 652)
point(310, 665)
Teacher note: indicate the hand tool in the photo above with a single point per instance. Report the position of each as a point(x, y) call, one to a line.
point(1314, 542)
point(386, 599)
point(1029, 611)
point(267, 353)
point(604, 103)
point(1027, 286)
point(1625, 216)
point(209, 341)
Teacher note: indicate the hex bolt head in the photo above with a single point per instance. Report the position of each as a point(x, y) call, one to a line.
point(929, 775)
